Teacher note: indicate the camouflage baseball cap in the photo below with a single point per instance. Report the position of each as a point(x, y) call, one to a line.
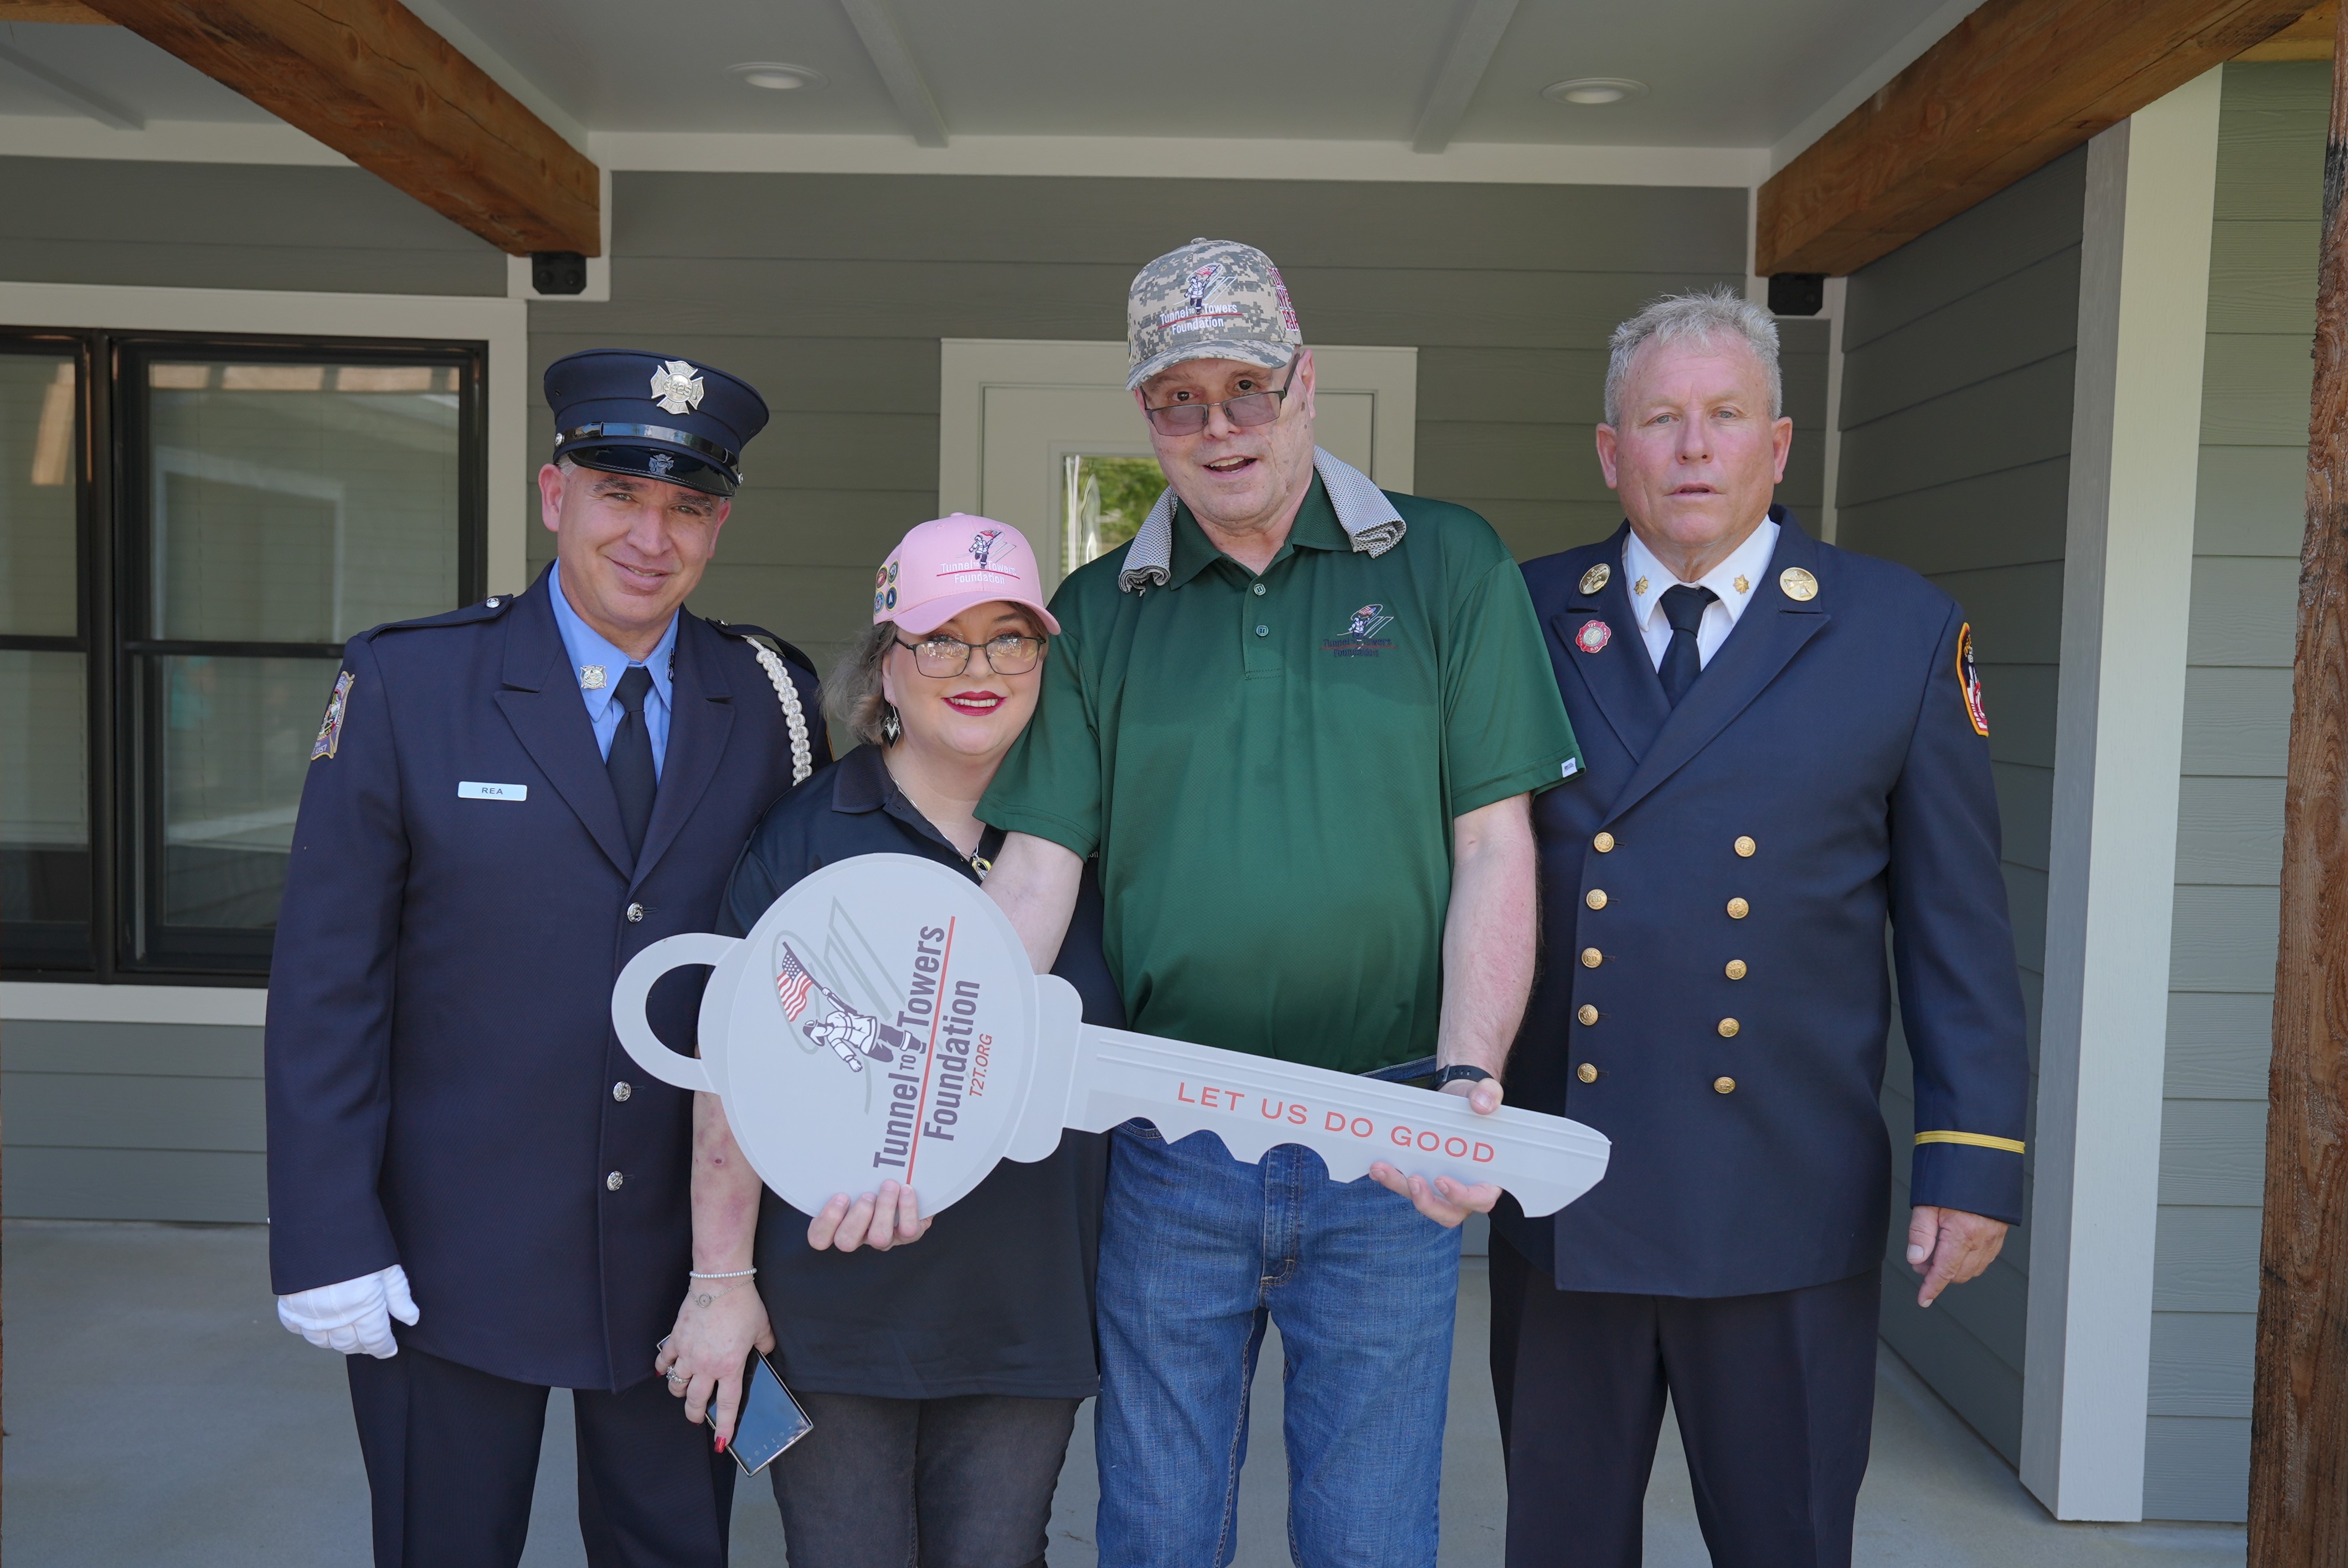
point(1213, 299)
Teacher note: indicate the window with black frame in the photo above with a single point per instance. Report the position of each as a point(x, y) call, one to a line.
point(266, 500)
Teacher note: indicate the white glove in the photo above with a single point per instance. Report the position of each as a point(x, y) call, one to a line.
point(353, 1315)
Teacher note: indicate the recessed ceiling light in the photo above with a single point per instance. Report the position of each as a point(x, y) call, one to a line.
point(1594, 90)
point(777, 76)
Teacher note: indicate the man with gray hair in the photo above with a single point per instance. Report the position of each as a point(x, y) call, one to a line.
point(1300, 720)
point(1787, 747)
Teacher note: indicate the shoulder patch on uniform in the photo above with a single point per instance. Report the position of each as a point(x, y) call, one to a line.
point(330, 728)
point(1969, 681)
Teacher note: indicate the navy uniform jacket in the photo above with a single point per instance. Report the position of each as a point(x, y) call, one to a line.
point(1834, 734)
point(442, 1071)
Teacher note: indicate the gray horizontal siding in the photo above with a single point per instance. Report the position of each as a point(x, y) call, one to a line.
point(1956, 421)
point(829, 292)
point(2248, 515)
point(231, 226)
point(116, 1122)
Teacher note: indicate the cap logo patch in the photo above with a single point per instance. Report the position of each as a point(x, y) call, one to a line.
point(677, 387)
point(1594, 635)
point(1969, 681)
point(982, 545)
point(659, 463)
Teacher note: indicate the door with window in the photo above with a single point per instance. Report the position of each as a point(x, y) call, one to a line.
point(189, 529)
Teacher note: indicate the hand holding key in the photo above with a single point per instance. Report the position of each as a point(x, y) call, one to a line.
point(880, 1023)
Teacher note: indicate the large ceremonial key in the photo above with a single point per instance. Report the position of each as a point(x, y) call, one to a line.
point(881, 1020)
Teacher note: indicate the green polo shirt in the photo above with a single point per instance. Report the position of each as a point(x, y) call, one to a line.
point(1268, 768)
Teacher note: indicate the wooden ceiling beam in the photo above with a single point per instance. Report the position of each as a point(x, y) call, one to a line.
point(370, 80)
point(2013, 86)
point(2309, 38)
point(72, 11)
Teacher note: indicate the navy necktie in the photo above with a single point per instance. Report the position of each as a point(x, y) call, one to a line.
point(630, 763)
point(1683, 607)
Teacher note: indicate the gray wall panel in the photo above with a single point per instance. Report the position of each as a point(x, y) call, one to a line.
point(1956, 420)
point(2199, 1467)
point(210, 1187)
point(231, 226)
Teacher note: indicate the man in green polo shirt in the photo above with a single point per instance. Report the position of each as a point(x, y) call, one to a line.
point(1301, 722)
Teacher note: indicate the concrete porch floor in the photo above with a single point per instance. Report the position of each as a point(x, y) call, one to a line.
point(157, 1414)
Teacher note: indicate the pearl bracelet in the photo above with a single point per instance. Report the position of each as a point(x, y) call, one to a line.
point(737, 1274)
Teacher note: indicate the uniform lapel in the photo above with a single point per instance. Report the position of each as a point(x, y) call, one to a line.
point(541, 701)
point(1620, 677)
point(701, 715)
point(1766, 636)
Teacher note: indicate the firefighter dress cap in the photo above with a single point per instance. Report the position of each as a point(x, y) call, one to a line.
point(654, 416)
point(945, 566)
point(1213, 299)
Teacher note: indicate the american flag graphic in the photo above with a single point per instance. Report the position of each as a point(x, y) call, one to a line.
point(792, 984)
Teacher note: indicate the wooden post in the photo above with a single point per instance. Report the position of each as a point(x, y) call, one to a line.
point(2299, 1419)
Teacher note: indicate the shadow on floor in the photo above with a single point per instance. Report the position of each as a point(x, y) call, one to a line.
point(158, 1415)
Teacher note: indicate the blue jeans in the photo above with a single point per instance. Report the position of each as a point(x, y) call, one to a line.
point(1198, 1251)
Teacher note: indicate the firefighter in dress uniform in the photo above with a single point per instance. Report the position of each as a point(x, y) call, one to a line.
point(1785, 747)
point(504, 805)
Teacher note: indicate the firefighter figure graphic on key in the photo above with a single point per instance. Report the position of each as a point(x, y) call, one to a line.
point(852, 1035)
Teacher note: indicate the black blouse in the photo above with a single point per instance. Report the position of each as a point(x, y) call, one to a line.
point(997, 1298)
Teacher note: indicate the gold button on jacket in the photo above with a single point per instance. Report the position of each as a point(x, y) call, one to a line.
point(1587, 1074)
point(1604, 844)
point(1588, 1014)
point(1596, 898)
point(1735, 968)
point(1746, 846)
point(1738, 908)
point(1591, 958)
point(1728, 1027)
point(1724, 1086)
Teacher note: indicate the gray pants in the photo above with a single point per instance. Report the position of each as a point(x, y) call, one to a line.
point(922, 1483)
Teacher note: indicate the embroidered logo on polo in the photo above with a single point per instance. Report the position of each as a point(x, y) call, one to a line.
point(1361, 638)
point(1969, 681)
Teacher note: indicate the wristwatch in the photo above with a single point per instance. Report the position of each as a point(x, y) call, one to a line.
point(1460, 1072)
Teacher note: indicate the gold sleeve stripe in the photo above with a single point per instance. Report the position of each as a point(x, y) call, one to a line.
point(1978, 1140)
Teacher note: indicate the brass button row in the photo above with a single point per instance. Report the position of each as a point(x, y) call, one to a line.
point(1595, 898)
point(1738, 908)
point(1735, 968)
point(1591, 958)
point(1589, 1074)
point(1744, 846)
point(1588, 1015)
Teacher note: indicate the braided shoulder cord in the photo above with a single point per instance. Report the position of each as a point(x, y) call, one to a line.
point(802, 753)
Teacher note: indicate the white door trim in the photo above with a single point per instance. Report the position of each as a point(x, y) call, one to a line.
point(2143, 293)
point(968, 366)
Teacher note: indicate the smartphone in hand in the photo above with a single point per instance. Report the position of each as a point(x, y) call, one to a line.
point(771, 1421)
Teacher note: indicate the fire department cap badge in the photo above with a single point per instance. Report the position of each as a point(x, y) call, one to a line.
point(677, 387)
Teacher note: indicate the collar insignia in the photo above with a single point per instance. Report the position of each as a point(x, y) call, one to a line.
point(1596, 578)
point(1799, 585)
point(590, 677)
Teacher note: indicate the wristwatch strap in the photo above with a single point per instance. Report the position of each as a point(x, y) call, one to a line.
point(1461, 1072)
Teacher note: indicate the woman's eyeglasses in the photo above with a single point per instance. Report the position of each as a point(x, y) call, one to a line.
point(1246, 411)
point(946, 657)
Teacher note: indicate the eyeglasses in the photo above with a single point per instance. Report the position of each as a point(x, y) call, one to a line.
point(947, 657)
point(1246, 411)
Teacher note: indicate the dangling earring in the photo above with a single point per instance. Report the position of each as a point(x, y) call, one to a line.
point(891, 732)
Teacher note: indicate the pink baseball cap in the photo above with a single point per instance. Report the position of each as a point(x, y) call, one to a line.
point(943, 568)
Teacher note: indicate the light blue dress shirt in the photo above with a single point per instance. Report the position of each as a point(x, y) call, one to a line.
point(589, 650)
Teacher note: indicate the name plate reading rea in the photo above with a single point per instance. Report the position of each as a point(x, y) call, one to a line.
point(880, 1021)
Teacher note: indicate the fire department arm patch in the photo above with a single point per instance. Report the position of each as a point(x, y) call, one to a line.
point(330, 728)
point(1969, 681)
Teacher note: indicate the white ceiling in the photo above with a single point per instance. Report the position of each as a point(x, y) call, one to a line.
point(1723, 72)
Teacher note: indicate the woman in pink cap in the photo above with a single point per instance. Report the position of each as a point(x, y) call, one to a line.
point(943, 1378)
